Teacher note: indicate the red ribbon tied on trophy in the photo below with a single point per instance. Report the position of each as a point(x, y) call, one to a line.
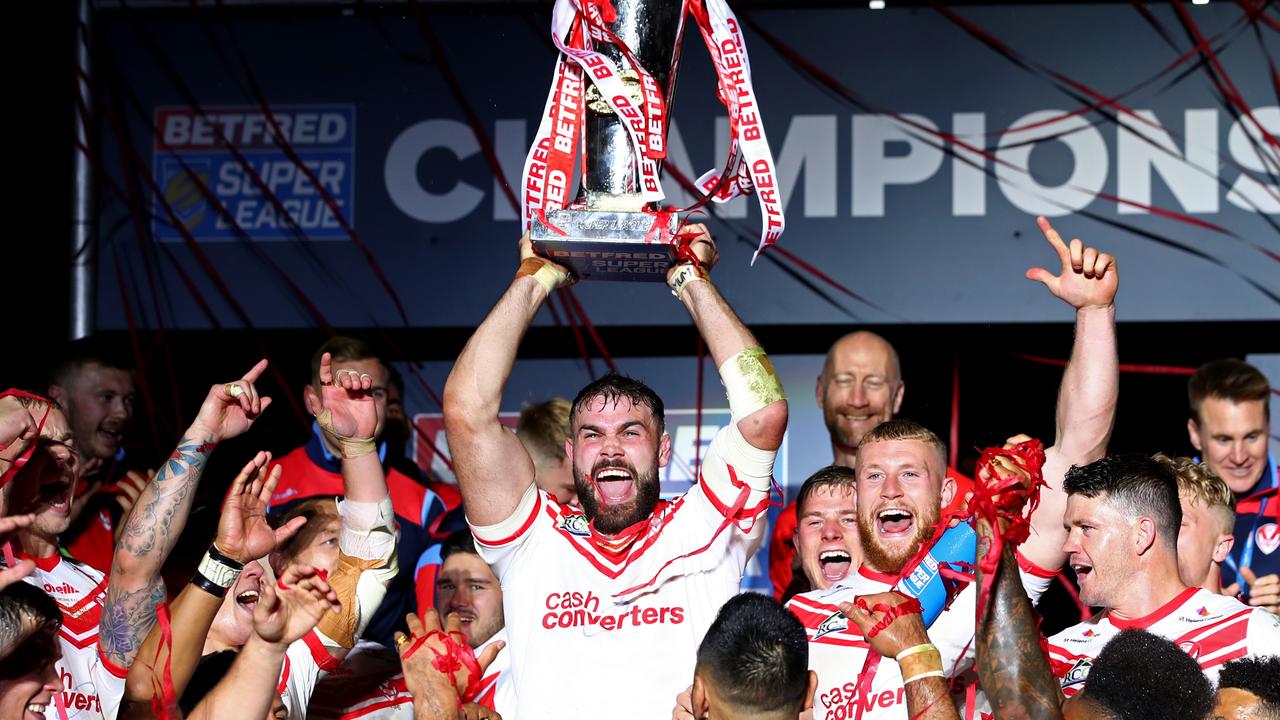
point(579, 26)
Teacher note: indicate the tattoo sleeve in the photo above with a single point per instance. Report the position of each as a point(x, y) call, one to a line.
point(1012, 667)
point(154, 526)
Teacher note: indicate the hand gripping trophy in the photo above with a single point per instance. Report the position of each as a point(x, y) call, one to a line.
point(611, 97)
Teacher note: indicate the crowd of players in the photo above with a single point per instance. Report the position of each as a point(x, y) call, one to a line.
point(553, 582)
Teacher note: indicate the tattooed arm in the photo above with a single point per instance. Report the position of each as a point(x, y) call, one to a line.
point(159, 516)
point(1012, 667)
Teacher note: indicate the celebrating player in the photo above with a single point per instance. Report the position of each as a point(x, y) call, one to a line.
point(902, 486)
point(598, 588)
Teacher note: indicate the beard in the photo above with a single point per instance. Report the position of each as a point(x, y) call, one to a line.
point(892, 559)
point(610, 518)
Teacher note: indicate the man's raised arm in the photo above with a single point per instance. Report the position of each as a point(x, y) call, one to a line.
point(1090, 384)
point(493, 469)
point(735, 350)
point(159, 516)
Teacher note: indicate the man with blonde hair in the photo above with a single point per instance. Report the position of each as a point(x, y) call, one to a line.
point(542, 428)
point(1205, 538)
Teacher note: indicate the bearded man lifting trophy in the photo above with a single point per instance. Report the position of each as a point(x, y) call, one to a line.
point(593, 588)
point(611, 96)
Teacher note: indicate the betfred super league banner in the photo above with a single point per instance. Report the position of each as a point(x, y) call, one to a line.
point(235, 152)
point(913, 148)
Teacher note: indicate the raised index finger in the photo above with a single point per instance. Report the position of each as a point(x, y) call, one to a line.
point(256, 370)
point(1055, 240)
point(326, 369)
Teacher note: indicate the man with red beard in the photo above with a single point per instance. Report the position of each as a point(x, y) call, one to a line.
point(902, 486)
point(599, 588)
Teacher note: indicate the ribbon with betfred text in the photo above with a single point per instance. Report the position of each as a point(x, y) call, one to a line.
point(549, 166)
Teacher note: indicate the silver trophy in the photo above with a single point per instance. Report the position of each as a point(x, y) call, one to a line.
point(607, 235)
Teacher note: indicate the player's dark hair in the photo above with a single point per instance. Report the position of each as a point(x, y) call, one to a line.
point(1139, 675)
point(757, 656)
point(1259, 675)
point(1228, 379)
point(90, 350)
point(460, 541)
point(1139, 484)
point(613, 388)
point(31, 620)
point(830, 477)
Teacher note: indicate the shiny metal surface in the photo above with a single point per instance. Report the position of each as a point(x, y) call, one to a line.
point(652, 29)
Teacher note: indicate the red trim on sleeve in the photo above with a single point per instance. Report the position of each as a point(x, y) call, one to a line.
point(524, 527)
point(1031, 568)
point(111, 667)
point(1156, 615)
point(284, 676)
point(319, 653)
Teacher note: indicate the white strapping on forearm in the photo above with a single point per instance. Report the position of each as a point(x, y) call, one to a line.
point(368, 529)
point(751, 465)
point(750, 381)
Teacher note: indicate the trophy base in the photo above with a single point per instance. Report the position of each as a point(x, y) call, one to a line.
point(606, 245)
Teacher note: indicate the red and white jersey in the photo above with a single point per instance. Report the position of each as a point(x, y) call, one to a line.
point(1211, 628)
point(305, 663)
point(838, 651)
point(369, 686)
point(92, 686)
point(625, 614)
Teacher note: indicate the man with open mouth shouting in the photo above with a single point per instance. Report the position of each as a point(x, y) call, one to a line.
point(600, 587)
point(902, 486)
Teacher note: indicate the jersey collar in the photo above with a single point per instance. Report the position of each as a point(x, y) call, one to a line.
point(886, 578)
point(1156, 615)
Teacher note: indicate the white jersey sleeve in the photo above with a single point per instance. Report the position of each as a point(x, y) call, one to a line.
point(731, 467)
point(499, 543)
point(1263, 634)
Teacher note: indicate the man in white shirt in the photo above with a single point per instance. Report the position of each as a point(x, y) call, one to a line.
point(598, 588)
point(1123, 516)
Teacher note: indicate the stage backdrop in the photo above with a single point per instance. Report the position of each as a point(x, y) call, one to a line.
point(916, 222)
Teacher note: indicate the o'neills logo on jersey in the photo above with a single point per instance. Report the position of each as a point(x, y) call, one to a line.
point(835, 623)
point(582, 610)
point(63, 589)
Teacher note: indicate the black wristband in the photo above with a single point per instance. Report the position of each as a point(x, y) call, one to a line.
point(209, 586)
point(218, 555)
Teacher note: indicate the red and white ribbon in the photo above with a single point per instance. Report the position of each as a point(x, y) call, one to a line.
point(550, 163)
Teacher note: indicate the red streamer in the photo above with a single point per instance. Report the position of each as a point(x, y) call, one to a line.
point(164, 701)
